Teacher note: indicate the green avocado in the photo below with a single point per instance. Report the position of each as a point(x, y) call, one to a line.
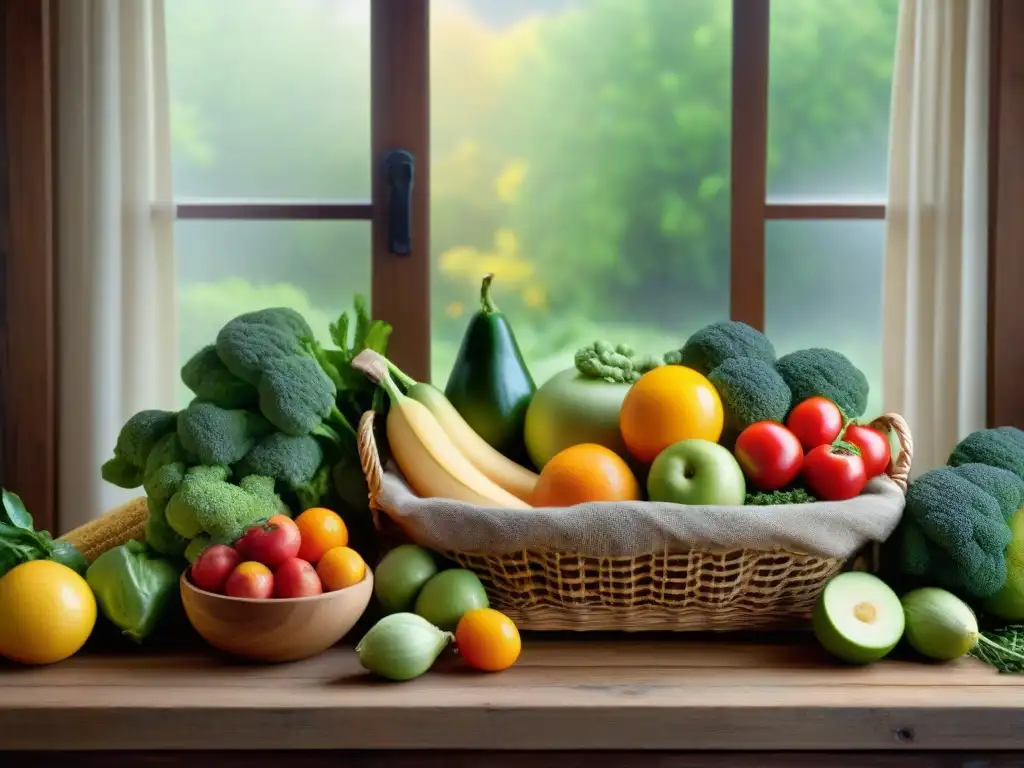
point(490, 385)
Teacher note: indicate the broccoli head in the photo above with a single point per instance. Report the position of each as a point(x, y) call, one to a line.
point(954, 533)
point(165, 467)
point(160, 536)
point(827, 373)
point(211, 381)
point(616, 364)
point(288, 459)
point(206, 503)
point(1004, 486)
point(1001, 447)
point(218, 436)
point(751, 390)
point(271, 350)
point(713, 344)
point(136, 439)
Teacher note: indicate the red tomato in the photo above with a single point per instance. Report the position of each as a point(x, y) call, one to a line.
point(769, 454)
point(273, 542)
point(211, 569)
point(833, 473)
point(874, 448)
point(250, 579)
point(296, 578)
point(816, 421)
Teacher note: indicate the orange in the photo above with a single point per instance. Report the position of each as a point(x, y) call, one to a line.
point(584, 472)
point(340, 567)
point(47, 612)
point(321, 530)
point(667, 405)
point(487, 640)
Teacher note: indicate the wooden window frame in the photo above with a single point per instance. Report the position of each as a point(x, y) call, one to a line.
point(400, 111)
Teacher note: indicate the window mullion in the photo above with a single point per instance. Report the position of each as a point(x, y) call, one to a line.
point(400, 94)
point(749, 169)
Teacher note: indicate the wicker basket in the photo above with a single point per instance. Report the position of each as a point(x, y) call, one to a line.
point(696, 590)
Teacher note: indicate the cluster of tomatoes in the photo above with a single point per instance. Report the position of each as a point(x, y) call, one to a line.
point(834, 457)
point(283, 558)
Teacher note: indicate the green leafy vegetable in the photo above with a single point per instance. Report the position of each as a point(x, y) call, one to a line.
point(14, 512)
point(774, 498)
point(1002, 649)
point(20, 542)
point(134, 587)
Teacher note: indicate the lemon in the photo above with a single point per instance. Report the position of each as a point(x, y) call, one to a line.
point(47, 612)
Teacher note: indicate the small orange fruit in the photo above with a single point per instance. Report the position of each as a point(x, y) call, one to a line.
point(487, 640)
point(584, 472)
point(666, 405)
point(321, 529)
point(340, 567)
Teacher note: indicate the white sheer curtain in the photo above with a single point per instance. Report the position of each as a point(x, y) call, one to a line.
point(117, 324)
point(936, 243)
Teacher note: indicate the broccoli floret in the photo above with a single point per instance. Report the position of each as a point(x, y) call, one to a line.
point(1001, 447)
point(208, 504)
point(134, 442)
point(825, 372)
point(219, 436)
point(616, 364)
point(289, 459)
point(773, 498)
point(165, 467)
point(313, 492)
point(713, 344)
point(751, 390)
point(270, 350)
point(159, 535)
point(196, 546)
point(954, 533)
point(211, 381)
point(1003, 485)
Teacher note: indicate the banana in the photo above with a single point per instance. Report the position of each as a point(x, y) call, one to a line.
point(432, 464)
point(514, 478)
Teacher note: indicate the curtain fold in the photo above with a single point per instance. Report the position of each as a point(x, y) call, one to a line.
point(116, 270)
point(935, 295)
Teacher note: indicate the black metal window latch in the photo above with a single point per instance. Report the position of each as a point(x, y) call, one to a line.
point(399, 170)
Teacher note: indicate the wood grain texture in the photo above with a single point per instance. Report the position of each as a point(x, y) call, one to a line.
point(27, 318)
point(419, 759)
point(400, 119)
point(1006, 225)
point(572, 695)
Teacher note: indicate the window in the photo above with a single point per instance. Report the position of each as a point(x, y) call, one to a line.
point(628, 169)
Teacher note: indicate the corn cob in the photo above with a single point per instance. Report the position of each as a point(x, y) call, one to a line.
point(117, 526)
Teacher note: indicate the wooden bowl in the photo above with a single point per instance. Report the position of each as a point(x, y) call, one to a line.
point(275, 630)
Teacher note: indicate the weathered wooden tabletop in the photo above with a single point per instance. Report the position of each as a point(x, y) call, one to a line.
point(581, 695)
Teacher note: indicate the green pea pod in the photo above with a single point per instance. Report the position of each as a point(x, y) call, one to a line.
point(134, 588)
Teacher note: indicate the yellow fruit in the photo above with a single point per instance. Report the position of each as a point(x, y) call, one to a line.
point(513, 477)
point(340, 568)
point(47, 612)
point(667, 405)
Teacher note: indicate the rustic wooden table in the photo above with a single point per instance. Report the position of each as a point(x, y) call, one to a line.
point(597, 703)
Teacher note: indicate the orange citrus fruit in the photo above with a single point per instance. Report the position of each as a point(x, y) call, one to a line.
point(340, 567)
point(585, 472)
point(47, 612)
point(321, 529)
point(667, 405)
point(487, 640)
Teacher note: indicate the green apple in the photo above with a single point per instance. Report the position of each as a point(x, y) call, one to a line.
point(697, 472)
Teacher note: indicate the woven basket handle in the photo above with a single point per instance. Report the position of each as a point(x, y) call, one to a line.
point(899, 470)
point(370, 460)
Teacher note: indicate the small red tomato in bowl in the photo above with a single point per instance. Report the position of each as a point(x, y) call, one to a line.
point(769, 455)
point(834, 472)
point(250, 579)
point(296, 577)
point(214, 565)
point(873, 446)
point(815, 421)
point(271, 543)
